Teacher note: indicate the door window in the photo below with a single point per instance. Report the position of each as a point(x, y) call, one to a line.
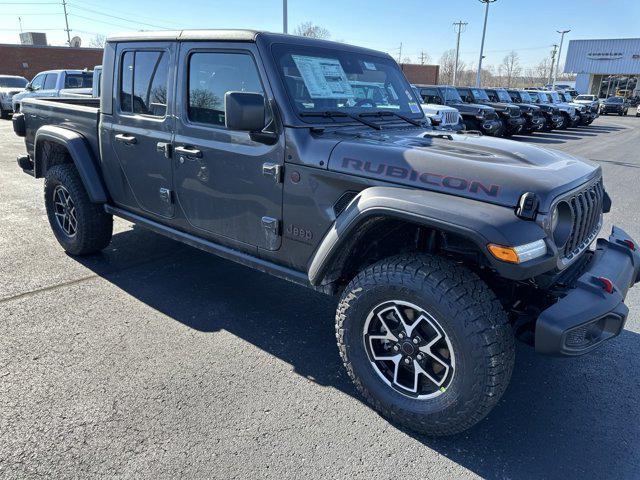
point(211, 76)
point(38, 82)
point(143, 83)
point(50, 82)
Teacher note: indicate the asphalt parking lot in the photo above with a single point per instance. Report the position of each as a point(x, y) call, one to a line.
point(156, 360)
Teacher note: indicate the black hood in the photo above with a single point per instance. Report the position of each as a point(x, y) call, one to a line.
point(528, 107)
point(482, 168)
point(469, 107)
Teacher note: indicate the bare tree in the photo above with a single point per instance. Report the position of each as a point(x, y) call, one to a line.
point(308, 29)
point(447, 66)
point(510, 67)
point(406, 60)
point(98, 41)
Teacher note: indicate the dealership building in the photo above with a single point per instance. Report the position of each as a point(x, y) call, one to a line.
point(605, 67)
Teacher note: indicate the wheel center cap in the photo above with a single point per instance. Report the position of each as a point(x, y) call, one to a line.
point(408, 348)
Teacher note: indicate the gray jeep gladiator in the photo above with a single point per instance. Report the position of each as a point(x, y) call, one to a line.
point(442, 247)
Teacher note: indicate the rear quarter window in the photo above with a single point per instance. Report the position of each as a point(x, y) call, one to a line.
point(143, 82)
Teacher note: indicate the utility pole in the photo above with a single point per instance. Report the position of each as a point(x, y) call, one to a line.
point(553, 59)
point(484, 31)
point(400, 54)
point(555, 75)
point(460, 25)
point(284, 17)
point(20, 22)
point(422, 57)
point(66, 21)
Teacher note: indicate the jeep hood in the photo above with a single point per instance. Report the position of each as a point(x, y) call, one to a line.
point(482, 168)
point(470, 107)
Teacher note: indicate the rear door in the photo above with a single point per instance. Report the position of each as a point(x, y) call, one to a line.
point(50, 85)
point(142, 130)
point(227, 184)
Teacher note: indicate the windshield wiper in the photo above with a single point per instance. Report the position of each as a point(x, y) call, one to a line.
point(384, 113)
point(334, 114)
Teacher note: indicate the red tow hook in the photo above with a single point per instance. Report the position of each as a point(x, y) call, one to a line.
point(629, 244)
point(607, 285)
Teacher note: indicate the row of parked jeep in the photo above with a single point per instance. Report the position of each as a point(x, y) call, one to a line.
point(504, 112)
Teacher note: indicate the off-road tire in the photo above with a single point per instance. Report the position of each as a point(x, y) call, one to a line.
point(94, 225)
point(469, 313)
point(566, 121)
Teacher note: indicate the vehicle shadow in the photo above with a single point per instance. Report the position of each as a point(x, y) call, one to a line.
point(573, 418)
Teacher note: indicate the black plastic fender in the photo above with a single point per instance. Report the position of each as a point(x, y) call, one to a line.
point(481, 223)
point(19, 127)
point(80, 153)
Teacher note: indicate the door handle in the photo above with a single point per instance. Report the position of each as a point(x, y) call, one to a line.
point(188, 152)
point(126, 139)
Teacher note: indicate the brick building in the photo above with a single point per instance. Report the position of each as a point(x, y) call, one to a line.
point(423, 74)
point(28, 60)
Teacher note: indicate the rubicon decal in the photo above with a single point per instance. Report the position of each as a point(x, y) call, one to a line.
point(427, 178)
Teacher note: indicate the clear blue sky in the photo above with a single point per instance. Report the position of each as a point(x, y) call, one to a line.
point(528, 27)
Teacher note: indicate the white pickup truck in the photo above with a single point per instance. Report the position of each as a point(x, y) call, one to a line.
point(441, 116)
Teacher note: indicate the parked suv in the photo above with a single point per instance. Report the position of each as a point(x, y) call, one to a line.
point(590, 101)
point(441, 116)
point(552, 116)
point(583, 111)
point(614, 105)
point(480, 118)
point(9, 86)
point(568, 113)
point(510, 115)
point(256, 147)
point(534, 120)
point(51, 82)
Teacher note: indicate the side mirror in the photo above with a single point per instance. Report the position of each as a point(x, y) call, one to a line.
point(244, 111)
point(28, 87)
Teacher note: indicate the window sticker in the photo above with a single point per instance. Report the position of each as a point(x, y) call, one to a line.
point(323, 77)
point(369, 65)
point(413, 106)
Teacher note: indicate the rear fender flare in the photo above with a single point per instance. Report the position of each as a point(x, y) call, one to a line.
point(80, 153)
point(481, 223)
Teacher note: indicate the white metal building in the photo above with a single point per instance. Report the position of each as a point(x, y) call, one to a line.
point(605, 67)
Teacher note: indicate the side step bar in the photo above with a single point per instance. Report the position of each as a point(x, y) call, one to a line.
point(225, 252)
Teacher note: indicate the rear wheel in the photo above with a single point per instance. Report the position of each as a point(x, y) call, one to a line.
point(80, 226)
point(426, 343)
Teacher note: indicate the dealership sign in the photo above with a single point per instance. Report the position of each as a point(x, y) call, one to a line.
point(604, 55)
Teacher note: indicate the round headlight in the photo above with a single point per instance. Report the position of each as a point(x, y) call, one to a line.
point(561, 223)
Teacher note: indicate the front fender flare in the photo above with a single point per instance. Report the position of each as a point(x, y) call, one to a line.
point(481, 223)
point(80, 153)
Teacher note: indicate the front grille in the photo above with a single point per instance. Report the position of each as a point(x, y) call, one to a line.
point(514, 111)
point(586, 209)
point(450, 118)
point(491, 116)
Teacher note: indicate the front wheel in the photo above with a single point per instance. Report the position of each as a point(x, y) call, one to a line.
point(426, 343)
point(80, 226)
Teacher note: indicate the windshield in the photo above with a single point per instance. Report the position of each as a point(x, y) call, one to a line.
point(321, 80)
point(555, 98)
point(567, 97)
point(480, 94)
point(17, 82)
point(450, 94)
point(614, 100)
point(78, 80)
point(525, 97)
point(503, 96)
point(589, 98)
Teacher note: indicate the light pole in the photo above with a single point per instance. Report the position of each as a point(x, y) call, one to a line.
point(284, 17)
point(459, 25)
point(484, 31)
point(555, 74)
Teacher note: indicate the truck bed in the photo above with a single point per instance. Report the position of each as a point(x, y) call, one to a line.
point(78, 114)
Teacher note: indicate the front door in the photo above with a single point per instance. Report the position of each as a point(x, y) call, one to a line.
point(141, 133)
point(226, 183)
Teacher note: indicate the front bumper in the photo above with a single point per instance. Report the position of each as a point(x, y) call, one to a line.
point(593, 311)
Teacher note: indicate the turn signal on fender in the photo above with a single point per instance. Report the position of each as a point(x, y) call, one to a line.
point(519, 254)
